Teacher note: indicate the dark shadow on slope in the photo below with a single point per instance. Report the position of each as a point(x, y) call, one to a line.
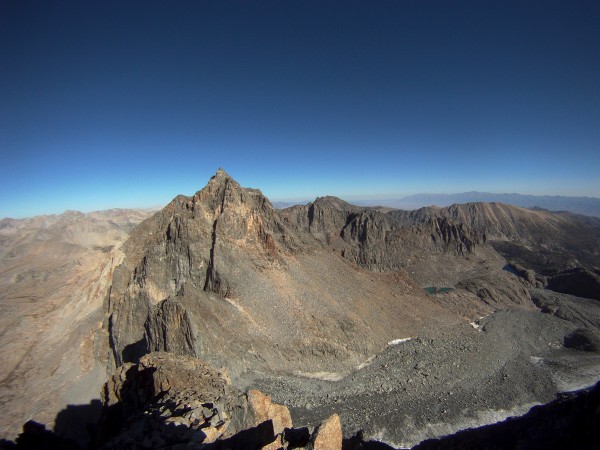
point(35, 436)
point(78, 422)
point(133, 352)
point(586, 340)
point(357, 442)
point(252, 438)
point(570, 421)
point(74, 429)
point(297, 437)
point(579, 282)
point(542, 261)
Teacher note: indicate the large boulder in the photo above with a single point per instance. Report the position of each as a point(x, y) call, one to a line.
point(328, 435)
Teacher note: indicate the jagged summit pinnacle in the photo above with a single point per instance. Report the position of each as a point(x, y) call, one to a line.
point(222, 190)
point(219, 182)
point(221, 173)
point(221, 177)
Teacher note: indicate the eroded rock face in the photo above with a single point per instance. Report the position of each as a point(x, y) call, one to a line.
point(499, 291)
point(538, 240)
point(378, 241)
point(225, 277)
point(185, 251)
point(168, 327)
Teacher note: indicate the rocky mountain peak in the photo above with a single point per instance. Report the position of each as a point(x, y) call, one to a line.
point(223, 191)
point(221, 178)
point(334, 203)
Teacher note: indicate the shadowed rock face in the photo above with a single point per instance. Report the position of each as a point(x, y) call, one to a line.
point(168, 327)
point(579, 282)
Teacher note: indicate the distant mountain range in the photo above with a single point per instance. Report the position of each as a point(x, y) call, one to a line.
point(589, 206)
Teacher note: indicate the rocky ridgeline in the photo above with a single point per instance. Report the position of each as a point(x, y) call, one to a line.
point(169, 401)
point(378, 241)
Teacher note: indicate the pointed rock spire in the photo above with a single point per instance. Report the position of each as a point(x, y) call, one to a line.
point(222, 178)
point(220, 173)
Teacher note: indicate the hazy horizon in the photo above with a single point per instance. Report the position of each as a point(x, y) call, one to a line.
point(128, 104)
point(366, 200)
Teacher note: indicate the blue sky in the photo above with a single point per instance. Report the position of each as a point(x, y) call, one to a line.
point(127, 104)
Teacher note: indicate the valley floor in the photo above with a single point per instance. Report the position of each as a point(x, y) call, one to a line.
point(458, 377)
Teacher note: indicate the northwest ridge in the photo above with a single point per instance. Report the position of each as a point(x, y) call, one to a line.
point(400, 326)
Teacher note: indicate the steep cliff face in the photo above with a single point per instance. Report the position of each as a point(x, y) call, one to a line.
point(184, 252)
point(508, 222)
point(223, 276)
point(540, 240)
point(323, 218)
point(168, 327)
point(378, 241)
point(378, 245)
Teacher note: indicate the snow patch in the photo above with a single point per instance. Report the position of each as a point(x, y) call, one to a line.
point(366, 363)
point(325, 376)
point(399, 341)
point(475, 325)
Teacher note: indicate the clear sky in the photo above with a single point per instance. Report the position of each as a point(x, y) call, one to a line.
point(129, 103)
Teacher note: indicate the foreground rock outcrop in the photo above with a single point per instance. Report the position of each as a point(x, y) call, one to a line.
point(167, 400)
